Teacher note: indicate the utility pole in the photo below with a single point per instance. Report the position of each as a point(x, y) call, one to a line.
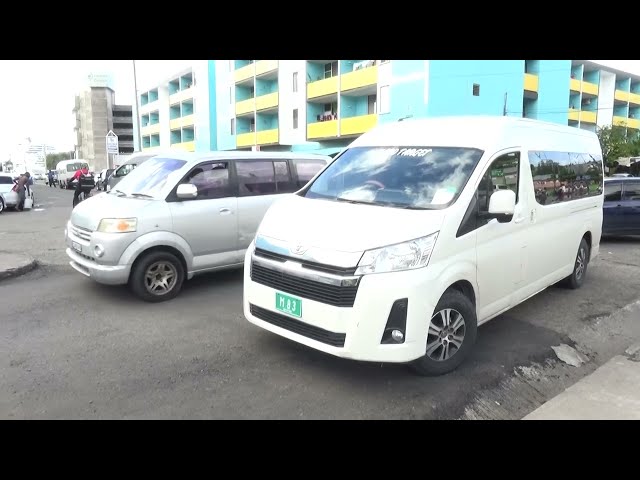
point(135, 86)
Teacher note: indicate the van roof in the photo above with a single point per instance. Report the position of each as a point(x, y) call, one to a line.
point(489, 133)
point(233, 155)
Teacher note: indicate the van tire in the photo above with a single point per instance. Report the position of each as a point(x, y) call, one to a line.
point(580, 264)
point(461, 305)
point(164, 263)
point(1, 205)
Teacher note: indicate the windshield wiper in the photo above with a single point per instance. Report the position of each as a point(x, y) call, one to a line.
point(348, 200)
point(119, 193)
point(144, 195)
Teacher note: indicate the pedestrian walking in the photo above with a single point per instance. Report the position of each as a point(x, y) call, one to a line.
point(21, 189)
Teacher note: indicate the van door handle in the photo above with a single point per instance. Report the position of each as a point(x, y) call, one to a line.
point(225, 211)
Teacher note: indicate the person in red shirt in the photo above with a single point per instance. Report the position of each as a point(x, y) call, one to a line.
point(76, 176)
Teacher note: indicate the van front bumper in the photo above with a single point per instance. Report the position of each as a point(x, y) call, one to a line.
point(105, 274)
point(350, 332)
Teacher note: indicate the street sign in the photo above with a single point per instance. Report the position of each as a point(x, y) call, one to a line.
point(112, 143)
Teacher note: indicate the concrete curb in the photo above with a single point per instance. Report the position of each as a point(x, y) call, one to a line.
point(26, 267)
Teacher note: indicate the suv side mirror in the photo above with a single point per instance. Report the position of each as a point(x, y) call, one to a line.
point(187, 191)
point(502, 205)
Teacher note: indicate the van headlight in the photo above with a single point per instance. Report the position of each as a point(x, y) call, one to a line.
point(118, 225)
point(401, 256)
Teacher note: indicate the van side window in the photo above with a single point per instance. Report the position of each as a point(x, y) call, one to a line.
point(501, 175)
point(565, 176)
point(631, 191)
point(284, 182)
point(306, 170)
point(211, 179)
point(256, 178)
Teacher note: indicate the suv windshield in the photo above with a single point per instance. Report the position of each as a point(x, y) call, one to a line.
point(149, 178)
point(402, 177)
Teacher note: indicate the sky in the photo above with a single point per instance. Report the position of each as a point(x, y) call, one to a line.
point(38, 95)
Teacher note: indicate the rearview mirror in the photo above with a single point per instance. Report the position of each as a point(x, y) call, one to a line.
point(502, 204)
point(187, 191)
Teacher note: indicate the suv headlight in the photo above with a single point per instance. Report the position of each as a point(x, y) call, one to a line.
point(401, 256)
point(118, 225)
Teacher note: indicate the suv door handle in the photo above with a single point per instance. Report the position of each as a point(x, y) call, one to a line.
point(225, 211)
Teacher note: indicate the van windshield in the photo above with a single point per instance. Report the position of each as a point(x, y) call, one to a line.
point(149, 179)
point(401, 177)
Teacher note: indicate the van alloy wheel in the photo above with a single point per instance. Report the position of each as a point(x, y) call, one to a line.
point(446, 334)
point(581, 261)
point(160, 278)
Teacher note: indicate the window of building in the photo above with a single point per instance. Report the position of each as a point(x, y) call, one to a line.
point(371, 104)
point(233, 126)
point(230, 94)
point(330, 69)
point(385, 101)
point(295, 119)
point(476, 90)
point(252, 125)
point(295, 81)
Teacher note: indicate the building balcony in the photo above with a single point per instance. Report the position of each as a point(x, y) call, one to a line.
point(267, 102)
point(148, 107)
point(531, 82)
point(634, 98)
point(357, 125)
point(322, 88)
point(181, 96)
point(590, 88)
point(151, 129)
point(245, 139)
point(267, 137)
point(244, 107)
point(320, 130)
point(621, 96)
point(186, 146)
point(267, 68)
point(241, 75)
point(359, 79)
point(619, 121)
point(583, 116)
point(180, 122)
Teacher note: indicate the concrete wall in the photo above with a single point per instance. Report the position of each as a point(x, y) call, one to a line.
point(290, 100)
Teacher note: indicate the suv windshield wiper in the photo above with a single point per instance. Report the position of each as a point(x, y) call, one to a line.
point(144, 195)
point(119, 193)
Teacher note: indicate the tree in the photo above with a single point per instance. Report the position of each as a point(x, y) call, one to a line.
point(616, 143)
point(54, 158)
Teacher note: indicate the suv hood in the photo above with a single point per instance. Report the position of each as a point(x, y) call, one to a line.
point(89, 212)
point(330, 226)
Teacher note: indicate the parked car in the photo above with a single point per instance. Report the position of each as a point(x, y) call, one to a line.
point(401, 247)
point(177, 216)
point(9, 198)
point(621, 206)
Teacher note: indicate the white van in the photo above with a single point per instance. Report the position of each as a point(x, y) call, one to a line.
point(67, 169)
point(403, 245)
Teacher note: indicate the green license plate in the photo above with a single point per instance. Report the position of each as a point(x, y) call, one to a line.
point(289, 305)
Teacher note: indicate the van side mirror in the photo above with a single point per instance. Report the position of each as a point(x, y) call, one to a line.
point(502, 205)
point(187, 191)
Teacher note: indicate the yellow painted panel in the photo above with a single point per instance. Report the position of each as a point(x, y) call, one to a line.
point(267, 101)
point(245, 139)
point(243, 73)
point(530, 82)
point(322, 129)
point(186, 146)
point(633, 123)
point(634, 98)
point(357, 125)
point(267, 136)
point(181, 96)
point(591, 88)
point(176, 123)
point(588, 117)
point(575, 85)
point(151, 129)
point(622, 96)
point(264, 66)
point(574, 115)
point(245, 106)
point(620, 121)
point(320, 88)
point(359, 78)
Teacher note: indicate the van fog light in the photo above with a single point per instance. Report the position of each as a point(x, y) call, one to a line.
point(98, 250)
point(397, 336)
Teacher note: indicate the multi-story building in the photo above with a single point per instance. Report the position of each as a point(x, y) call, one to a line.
point(325, 104)
point(174, 114)
point(96, 114)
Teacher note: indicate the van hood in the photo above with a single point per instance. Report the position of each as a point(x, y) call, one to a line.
point(329, 226)
point(89, 212)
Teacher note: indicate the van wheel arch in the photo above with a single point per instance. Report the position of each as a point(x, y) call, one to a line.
point(160, 248)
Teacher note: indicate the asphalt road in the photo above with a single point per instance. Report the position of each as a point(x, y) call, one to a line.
point(76, 349)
